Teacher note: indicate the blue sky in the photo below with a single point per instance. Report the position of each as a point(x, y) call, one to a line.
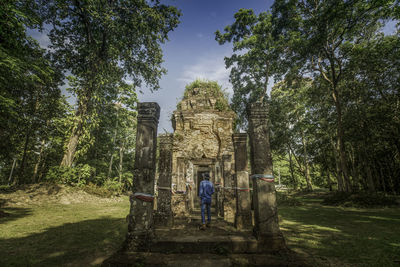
point(192, 51)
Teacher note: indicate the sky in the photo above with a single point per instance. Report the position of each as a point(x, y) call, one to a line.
point(192, 51)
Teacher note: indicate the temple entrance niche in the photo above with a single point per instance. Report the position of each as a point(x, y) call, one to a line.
point(202, 142)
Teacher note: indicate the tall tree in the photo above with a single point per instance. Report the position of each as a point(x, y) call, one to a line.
point(255, 59)
point(320, 30)
point(29, 96)
point(104, 43)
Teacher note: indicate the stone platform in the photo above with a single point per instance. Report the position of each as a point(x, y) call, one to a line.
point(219, 245)
point(186, 237)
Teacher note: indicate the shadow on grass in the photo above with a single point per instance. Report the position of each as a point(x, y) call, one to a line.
point(78, 244)
point(356, 236)
point(10, 214)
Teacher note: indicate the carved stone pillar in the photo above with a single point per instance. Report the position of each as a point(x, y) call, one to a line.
point(163, 215)
point(140, 227)
point(243, 216)
point(229, 203)
point(266, 226)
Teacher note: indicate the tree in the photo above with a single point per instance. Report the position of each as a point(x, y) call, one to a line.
point(30, 97)
point(320, 30)
point(291, 123)
point(103, 44)
point(254, 61)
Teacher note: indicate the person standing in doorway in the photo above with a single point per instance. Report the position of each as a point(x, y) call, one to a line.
point(206, 191)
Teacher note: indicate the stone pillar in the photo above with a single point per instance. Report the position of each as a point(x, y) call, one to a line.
point(218, 192)
point(140, 227)
point(243, 216)
point(266, 226)
point(229, 203)
point(163, 215)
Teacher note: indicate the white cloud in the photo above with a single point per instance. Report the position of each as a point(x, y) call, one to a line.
point(209, 67)
point(199, 35)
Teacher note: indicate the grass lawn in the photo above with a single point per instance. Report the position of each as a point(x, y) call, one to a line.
point(57, 234)
point(83, 234)
point(336, 236)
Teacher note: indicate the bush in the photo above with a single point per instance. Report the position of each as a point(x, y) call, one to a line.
point(7, 188)
point(97, 190)
point(114, 186)
point(285, 199)
point(79, 175)
point(207, 89)
point(361, 200)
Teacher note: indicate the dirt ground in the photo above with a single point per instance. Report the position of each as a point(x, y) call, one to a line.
point(38, 194)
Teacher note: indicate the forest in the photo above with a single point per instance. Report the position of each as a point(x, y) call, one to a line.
point(44, 137)
point(334, 107)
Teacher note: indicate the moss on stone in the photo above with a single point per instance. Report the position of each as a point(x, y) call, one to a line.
point(207, 89)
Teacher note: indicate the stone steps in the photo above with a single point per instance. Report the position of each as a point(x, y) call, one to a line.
point(190, 260)
point(201, 243)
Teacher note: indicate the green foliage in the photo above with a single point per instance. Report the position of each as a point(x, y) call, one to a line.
point(207, 89)
point(30, 99)
point(6, 189)
point(104, 44)
point(360, 200)
point(79, 175)
point(334, 115)
point(254, 61)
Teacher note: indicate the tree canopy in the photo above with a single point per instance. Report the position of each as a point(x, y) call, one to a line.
point(332, 112)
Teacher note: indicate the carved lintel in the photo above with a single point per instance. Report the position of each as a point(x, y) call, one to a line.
point(148, 111)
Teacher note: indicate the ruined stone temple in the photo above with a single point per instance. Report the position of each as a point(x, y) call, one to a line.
point(202, 142)
point(164, 213)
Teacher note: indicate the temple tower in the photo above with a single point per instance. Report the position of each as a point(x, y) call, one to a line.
point(202, 142)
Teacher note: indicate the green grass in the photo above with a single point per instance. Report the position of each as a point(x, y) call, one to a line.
point(57, 234)
point(87, 233)
point(338, 235)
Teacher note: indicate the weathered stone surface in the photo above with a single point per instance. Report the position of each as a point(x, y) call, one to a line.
point(202, 138)
point(229, 192)
point(163, 216)
point(140, 227)
point(266, 226)
point(243, 216)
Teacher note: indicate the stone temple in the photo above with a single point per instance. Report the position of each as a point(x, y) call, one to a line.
point(164, 218)
point(202, 142)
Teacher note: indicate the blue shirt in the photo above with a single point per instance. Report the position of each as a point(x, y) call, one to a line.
point(206, 189)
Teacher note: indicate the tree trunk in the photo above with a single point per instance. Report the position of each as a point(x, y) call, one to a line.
point(367, 166)
point(340, 139)
point(295, 183)
point(12, 170)
point(121, 157)
point(36, 169)
point(24, 156)
point(73, 141)
point(337, 165)
point(306, 166)
point(329, 181)
point(355, 173)
point(112, 149)
point(382, 177)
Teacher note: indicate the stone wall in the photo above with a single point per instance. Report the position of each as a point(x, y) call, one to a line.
point(202, 138)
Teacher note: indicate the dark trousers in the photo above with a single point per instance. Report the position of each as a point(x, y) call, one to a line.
point(205, 204)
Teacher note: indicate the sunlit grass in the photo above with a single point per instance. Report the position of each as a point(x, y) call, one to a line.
point(57, 234)
point(336, 235)
point(86, 233)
